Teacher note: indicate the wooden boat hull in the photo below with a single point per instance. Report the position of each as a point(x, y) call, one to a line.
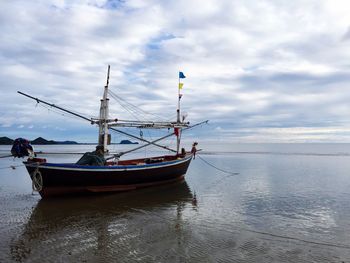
point(64, 179)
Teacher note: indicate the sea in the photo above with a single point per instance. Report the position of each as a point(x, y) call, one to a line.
point(238, 203)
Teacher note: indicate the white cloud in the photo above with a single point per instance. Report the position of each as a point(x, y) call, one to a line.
point(248, 64)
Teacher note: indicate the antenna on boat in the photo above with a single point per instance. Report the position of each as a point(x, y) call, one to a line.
point(103, 135)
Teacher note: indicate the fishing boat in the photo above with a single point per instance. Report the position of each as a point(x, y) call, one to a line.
point(55, 179)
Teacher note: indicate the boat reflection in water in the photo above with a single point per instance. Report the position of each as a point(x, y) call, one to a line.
point(127, 225)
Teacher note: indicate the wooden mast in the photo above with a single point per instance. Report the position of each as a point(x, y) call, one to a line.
point(103, 122)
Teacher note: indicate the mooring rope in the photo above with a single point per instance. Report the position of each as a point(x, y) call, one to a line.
point(274, 236)
point(6, 156)
point(11, 167)
point(215, 167)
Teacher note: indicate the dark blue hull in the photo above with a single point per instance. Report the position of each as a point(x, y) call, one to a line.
point(62, 179)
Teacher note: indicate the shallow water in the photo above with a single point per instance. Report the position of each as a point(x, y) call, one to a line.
point(284, 203)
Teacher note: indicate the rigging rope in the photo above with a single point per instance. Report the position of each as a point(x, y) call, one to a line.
point(49, 108)
point(132, 107)
point(127, 108)
point(133, 110)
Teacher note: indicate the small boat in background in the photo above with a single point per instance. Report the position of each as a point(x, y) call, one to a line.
point(55, 179)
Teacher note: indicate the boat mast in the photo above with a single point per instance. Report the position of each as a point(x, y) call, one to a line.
point(103, 122)
point(178, 133)
point(178, 121)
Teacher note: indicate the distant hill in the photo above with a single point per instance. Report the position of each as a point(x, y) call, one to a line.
point(127, 142)
point(42, 141)
point(5, 141)
point(37, 141)
point(66, 142)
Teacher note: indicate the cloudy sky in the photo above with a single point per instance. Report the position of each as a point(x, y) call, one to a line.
point(260, 71)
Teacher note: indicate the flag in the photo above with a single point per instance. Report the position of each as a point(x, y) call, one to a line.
point(181, 75)
point(180, 85)
point(180, 96)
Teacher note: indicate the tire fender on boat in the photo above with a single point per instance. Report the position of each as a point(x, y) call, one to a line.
point(37, 180)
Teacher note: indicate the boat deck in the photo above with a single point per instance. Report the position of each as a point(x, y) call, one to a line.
point(143, 161)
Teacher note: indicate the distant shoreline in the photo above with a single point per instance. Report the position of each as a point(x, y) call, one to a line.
point(42, 141)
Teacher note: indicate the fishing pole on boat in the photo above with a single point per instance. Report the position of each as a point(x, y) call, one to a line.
point(140, 147)
point(143, 140)
point(152, 142)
